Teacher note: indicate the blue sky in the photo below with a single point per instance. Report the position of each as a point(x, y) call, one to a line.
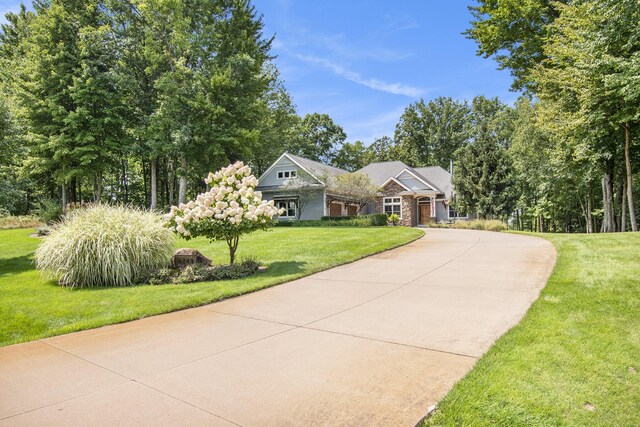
point(363, 61)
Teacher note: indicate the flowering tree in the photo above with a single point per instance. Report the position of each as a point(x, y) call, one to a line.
point(228, 210)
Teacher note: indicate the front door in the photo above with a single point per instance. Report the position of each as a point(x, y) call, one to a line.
point(335, 209)
point(425, 213)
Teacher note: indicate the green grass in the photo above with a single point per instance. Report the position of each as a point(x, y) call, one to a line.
point(578, 345)
point(31, 308)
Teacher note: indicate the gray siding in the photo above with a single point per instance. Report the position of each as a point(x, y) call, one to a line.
point(442, 211)
point(313, 210)
point(271, 177)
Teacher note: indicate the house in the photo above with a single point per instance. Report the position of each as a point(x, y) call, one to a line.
point(417, 195)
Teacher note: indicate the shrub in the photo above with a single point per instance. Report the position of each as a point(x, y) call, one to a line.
point(374, 220)
point(378, 219)
point(394, 219)
point(22, 221)
point(476, 224)
point(105, 246)
point(199, 273)
point(49, 210)
point(339, 218)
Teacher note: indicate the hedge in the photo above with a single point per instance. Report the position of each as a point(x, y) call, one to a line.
point(373, 220)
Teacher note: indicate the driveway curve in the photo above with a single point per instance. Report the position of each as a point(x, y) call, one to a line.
point(374, 342)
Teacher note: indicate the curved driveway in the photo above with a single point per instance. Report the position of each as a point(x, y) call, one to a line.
point(375, 342)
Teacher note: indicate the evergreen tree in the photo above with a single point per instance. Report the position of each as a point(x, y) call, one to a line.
point(483, 178)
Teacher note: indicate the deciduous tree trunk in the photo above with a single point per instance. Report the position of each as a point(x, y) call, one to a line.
point(154, 183)
point(182, 187)
point(608, 220)
point(97, 187)
point(627, 159)
point(623, 213)
point(64, 196)
point(172, 183)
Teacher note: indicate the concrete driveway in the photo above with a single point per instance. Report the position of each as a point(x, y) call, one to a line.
point(375, 342)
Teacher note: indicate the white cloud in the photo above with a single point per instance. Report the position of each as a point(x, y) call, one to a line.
point(394, 88)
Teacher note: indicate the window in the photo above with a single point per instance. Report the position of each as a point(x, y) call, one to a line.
point(289, 207)
point(392, 205)
point(287, 174)
point(453, 214)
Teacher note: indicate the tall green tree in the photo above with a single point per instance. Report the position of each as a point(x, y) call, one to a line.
point(429, 133)
point(320, 137)
point(575, 87)
point(351, 156)
point(382, 149)
point(69, 93)
point(279, 126)
point(513, 32)
point(483, 176)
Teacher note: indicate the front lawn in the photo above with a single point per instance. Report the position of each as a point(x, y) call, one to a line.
point(574, 359)
point(31, 308)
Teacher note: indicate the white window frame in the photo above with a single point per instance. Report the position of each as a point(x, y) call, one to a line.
point(449, 207)
point(390, 201)
point(286, 174)
point(288, 203)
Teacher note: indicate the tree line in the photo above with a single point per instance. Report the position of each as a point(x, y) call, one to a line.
point(135, 101)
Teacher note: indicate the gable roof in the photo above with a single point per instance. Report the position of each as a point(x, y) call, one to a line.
point(316, 169)
point(439, 177)
point(380, 172)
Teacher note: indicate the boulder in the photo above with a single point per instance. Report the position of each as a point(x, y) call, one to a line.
point(188, 256)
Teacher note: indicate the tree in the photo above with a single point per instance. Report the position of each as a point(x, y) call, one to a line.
point(319, 138)
point(383, 149)
point(483, 172)
point(279, 126)
point(514, 33)
point(350, 156)
point(68, 92)
point(575, 88)
point(230, 209)
point(429, 133)
point(356, 187)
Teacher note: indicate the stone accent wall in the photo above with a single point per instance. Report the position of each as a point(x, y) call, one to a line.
point(409, 209)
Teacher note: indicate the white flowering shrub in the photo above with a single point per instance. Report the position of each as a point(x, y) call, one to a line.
point(231, 208)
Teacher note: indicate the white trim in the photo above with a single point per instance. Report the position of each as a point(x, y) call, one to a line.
point(293, 173)
point(385, 204)
point(324, 202)
point(455, 217)
point(295, 207)
point(285, 154)
point(422, 180)
point(271, 167)
point(397, 182)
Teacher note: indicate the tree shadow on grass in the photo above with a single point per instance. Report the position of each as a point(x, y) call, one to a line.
point(284, 268)
point(16, 265)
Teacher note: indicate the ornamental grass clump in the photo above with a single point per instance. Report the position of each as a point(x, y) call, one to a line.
point(231, 208)
point(105, 246)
